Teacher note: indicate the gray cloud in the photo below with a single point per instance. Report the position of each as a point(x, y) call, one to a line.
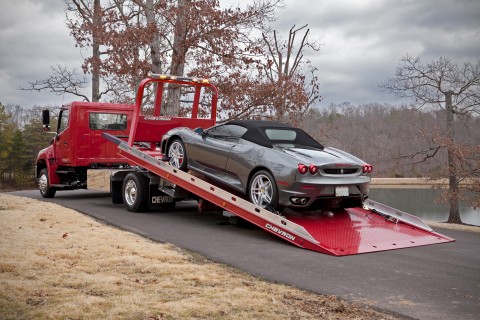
point(33, 37)
point(362, 42)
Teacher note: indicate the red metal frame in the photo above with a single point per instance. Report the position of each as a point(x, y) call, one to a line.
point(160, 80)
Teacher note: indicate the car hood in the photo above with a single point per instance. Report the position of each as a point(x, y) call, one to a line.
point(321, 157)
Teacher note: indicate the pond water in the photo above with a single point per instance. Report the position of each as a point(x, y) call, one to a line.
point(421, 203)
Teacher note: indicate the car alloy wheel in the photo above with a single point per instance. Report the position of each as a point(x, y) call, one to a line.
point(263, 190)
point(177, 155)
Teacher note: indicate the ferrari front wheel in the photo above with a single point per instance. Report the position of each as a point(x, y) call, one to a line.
point(177, 154)
point(262, 190)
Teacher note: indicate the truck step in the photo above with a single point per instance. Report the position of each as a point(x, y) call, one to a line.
point(64, 171)
point(168, 191)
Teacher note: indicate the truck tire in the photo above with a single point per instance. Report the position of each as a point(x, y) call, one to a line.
point(44, 185)
point(135, 192)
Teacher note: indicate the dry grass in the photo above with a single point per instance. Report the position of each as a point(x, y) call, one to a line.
point(56, 263)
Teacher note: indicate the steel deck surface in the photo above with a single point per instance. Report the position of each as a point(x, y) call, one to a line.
point(357, 230)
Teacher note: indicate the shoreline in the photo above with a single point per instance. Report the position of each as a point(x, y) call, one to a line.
point(419, 183)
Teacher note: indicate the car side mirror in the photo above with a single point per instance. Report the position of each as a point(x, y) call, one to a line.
point(46, 120)
point(199, 131)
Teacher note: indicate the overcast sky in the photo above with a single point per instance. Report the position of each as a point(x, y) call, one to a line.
point(362, 42)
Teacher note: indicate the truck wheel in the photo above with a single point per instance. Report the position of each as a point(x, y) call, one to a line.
point(178, 155)
point(44, 185)
point(135, 192)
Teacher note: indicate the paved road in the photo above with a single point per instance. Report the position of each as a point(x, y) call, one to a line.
point(432, 282)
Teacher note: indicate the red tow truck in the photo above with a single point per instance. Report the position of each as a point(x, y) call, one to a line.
point(115, 148)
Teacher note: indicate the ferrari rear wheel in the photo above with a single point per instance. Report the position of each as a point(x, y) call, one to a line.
point(177, 154)
point(262, 190)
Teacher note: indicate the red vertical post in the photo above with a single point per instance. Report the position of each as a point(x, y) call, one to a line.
point(158, 99)
point(196, 102)
point(136, 111)
point(213, 115)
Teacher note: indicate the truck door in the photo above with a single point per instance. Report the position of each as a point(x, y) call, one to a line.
point(63, 141)
point(99, 122)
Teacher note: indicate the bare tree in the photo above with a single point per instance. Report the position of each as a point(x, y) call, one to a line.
point(293, 93)
point(87, 27)
point(182, 37)
point(218, 43)
point(61, 81)
point(179, 52)
point(85, 19)
point(455, 89)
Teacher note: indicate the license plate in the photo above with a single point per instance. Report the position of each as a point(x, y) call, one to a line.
point(341, 192)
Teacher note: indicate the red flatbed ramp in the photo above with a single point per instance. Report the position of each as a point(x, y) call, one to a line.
point(357, 230)
point(376, 227)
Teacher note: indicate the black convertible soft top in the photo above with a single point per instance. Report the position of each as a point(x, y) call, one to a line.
point(256, 133)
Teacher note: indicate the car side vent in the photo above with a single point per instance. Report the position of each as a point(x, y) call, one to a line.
point(340, 171)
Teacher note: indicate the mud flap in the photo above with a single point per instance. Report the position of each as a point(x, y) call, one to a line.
point(158, 200)
point(116, 184)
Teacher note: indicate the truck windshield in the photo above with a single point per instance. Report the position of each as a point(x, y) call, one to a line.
point(108, 121)
point(63, 123)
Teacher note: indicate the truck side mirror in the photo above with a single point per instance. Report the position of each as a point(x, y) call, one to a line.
point(46, 120)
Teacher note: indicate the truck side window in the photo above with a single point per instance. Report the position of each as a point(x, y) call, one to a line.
point(108, 121)
point(63, 123)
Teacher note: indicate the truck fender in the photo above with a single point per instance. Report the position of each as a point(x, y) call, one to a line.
point(46, 159)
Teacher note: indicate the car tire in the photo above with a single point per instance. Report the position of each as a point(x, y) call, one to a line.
point(44, 185)
point(177, 154)
point(263, 191)
point(135, 192)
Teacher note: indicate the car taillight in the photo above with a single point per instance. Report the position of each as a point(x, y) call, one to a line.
point(367, 168)
point(313, 169)
point(302, 168)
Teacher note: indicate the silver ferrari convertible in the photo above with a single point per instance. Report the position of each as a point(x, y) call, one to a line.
point(272, 164)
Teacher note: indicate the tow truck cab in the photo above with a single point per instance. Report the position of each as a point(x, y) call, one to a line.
point(78, 143)
point(79, 157)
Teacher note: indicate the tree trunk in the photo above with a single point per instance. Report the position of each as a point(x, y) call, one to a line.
point(154, 42)
point(454, 216)
point(178, 57)
point(97, 22)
